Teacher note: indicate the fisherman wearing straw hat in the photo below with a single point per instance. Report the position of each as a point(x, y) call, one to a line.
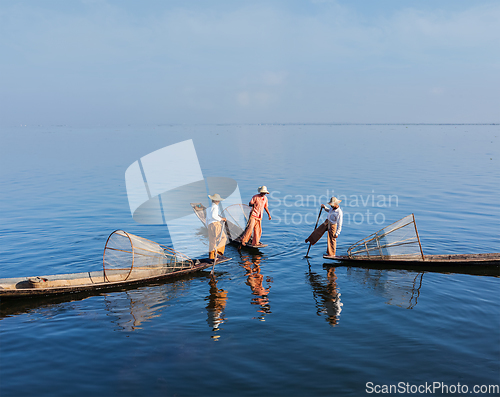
point(259, 204)
point(216, 235)
point(333, 224)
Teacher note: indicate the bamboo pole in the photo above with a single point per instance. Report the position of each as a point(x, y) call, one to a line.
point(317, 220)
point(418, 238)
point(370, 238)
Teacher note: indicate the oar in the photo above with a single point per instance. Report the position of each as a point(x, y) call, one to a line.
point(215, 260)
point(317, 220)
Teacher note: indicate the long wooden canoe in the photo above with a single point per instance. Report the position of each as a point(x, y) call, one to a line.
point(127, 260)
point(93, 281)
point(476, 264)
point(454, 259)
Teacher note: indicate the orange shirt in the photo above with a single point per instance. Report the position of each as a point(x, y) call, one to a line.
point(259, 203)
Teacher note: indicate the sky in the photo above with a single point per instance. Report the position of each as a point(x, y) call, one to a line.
point(116, 62)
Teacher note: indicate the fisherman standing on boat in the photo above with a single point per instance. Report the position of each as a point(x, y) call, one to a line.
point(333, 224)
point(259, 204)
point(216, 235)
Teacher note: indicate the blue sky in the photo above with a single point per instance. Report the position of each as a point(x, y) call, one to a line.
point(109, 62)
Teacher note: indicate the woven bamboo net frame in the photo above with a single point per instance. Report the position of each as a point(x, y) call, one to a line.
point(129, 256)
point(399, 241)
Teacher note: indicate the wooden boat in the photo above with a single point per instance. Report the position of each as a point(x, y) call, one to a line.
point(474, 264)
point(254, 246)
point(455, 259)
point(398, 246)
point(128, 260)
point(237, 219)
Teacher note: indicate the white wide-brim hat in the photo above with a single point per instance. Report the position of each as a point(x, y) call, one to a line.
point(263, 189)
point(333, 201)
point(215, 197)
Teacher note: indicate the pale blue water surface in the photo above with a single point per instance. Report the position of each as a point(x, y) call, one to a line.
point(272, 324)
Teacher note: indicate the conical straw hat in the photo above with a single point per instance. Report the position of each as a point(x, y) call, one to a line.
point(215, 197)
point(333, 201)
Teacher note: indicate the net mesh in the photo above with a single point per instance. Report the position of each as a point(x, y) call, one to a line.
point(396, 241)
point(237, 218)
point(127, 256)
point(399, 287)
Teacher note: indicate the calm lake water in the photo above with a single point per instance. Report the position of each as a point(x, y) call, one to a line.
point(270, 323)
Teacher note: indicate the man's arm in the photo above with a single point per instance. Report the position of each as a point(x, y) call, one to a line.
point(267, 210)
point(339, 223)
point(268, 214)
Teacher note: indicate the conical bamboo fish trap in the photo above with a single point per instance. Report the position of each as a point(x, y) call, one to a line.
point(127, 256)
point(398, 241)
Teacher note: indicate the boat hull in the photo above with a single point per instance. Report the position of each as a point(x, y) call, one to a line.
point(21, 287)
point(475, 264)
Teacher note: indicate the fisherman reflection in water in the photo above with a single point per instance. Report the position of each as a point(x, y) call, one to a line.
point(216, 236)
point(255, 281)
point(326, 295)
point(216, 305)
point(333, 224)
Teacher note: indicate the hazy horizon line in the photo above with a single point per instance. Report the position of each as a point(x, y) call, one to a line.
point(229, 124)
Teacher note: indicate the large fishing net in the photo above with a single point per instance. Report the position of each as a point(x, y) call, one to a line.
point(237, 218)
point(127, 257)
point(201, 212)
point(398, 241)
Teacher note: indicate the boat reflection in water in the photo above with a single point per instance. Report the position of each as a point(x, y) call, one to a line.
point(217, 300)
point(399, 287)
point(255, 280)
point(129, 310)
point(326, 295)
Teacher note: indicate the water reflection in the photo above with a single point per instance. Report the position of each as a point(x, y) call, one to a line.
point(326, 295)
point(255, 280)
point(399, 287)
point(46, 306)
point(217, 300)
point(130, 309)
point(415, 293)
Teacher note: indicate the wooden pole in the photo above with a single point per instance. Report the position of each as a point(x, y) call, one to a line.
point(215, 260)
point(317, 220)
point(418, 238)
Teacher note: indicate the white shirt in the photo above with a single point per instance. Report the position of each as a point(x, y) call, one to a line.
point(336, 217)
point(213, 214)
